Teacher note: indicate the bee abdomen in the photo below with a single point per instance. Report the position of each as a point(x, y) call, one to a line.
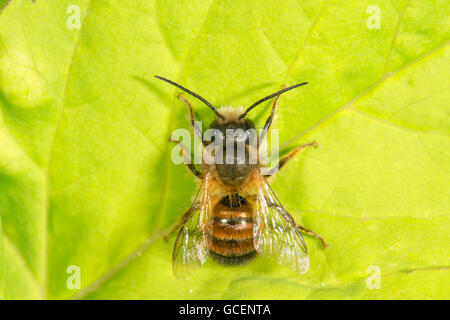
point(232, 231)
point(230, 260)
point(232, 240)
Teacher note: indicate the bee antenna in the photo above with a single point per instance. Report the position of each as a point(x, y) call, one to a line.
point(192, 94)
point(270, 97)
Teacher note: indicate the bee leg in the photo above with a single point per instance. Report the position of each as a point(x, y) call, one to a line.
point(288, 217)
point(312, 234)
point(269, 119)
point(191, 113)
point(288, 157)
point(187, 159)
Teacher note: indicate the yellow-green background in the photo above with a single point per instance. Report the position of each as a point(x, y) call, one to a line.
point(85, 171)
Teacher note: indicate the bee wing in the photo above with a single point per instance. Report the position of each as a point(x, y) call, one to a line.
point(194, 238)
point(275, 232)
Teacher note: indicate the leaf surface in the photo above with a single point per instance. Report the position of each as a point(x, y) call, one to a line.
point(85, 172)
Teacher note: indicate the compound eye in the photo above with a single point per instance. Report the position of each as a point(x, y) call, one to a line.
point(250, 133)
point(213, 125)
point(214, 134)
point(249, 124)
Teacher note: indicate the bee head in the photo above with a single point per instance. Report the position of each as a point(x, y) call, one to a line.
point(231, 120)
point(236, 134)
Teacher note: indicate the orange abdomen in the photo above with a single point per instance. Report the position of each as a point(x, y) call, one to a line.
point(232, 231)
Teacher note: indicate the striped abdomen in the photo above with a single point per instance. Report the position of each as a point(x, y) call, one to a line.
point(232, 231)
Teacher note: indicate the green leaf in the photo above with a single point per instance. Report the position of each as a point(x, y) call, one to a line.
point(85, 172)
point(2, 266)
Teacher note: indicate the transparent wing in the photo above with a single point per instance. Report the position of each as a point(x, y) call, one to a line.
point(194, 238)
point(275, 232)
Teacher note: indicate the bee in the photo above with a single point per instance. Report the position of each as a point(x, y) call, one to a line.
point(235, 214)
